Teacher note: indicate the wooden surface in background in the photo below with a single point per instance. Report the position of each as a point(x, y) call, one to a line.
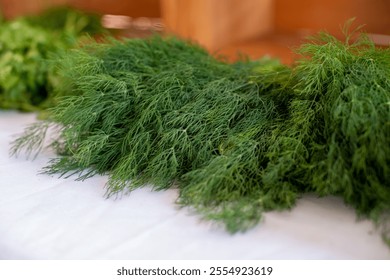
point(309, 16)
point(229, 27)
point(217, 23)
point(133, 8)
point(15, 8)
point(296, 19)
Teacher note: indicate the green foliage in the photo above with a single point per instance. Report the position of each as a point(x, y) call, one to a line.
point(27, 45)
point(165, 112)
point(24, 73)
point(235, 139)
point(68, 20)
point(336, 140)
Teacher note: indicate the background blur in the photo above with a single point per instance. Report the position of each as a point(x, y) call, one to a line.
point(254, 27)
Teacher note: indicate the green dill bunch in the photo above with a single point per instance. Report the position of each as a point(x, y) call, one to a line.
point(163, 111)
point(336, 140)
point(235, 139)
point(357, 131)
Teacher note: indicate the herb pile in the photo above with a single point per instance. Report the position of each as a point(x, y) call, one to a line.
point(235, 139)
point(336, 137)
point(27, 45)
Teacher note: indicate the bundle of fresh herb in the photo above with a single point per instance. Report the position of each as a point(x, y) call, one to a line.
point(26, 46)
point(236, 139)
point(164, 111)
point(336, 139)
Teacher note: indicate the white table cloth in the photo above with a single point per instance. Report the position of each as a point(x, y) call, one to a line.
point(45, 217)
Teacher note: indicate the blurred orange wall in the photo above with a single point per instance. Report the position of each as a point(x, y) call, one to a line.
point(134, 8)
point(14, 8)
point(314, 15)
point(217, 23)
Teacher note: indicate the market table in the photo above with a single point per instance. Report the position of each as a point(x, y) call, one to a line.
point(46, 217)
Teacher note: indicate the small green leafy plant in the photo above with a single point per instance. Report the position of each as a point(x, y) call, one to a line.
point(27, 45)
point(235, 139)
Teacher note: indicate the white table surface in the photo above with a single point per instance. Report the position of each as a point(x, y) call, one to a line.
point(45, 217)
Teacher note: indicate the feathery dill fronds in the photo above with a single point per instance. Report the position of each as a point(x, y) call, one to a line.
point(32, 140)
point(165, 112)
point(336, 140)
point(236, 139)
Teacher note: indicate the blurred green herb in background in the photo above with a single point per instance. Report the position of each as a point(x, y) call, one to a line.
point(27, 45)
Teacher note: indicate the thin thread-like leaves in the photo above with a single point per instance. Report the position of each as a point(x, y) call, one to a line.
point(235, 139)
